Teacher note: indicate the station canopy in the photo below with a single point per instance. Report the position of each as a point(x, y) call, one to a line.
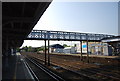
point(111, 39)
point(18, 20)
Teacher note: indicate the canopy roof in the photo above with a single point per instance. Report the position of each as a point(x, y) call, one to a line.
point(18, 20)
point(57, 46)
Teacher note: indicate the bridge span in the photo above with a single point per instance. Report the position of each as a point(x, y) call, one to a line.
point(65, 36)
point(68, 36)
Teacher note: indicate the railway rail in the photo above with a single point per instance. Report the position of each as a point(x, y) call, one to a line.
point(90, 73)
point(40, 72)
point(93, 72)
point(100, 73)
point(86, 78)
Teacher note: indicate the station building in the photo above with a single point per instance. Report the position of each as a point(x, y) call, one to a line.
point(96, 48)
point(56, 48)
point(114, 42)
point(70, 50)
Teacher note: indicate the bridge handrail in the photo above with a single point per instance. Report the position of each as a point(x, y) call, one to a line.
point(44, 34)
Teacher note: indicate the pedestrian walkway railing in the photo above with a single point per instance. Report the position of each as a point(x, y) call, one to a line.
point(61, 35)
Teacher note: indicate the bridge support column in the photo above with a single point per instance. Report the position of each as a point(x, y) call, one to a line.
point(7, 51)
point(95, 48)
point(101, 48)
point(48, 53)
point(87, 53)
point(45, 54)
point(81, 58)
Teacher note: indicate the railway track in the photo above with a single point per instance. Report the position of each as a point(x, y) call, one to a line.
point(103, 73)
point(41, 73)
point(96, 73)
point(86, 78)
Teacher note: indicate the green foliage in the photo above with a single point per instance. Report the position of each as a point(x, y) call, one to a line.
point(65, 45)
point(25, 48)
point(18, 49)
point(29, 49)
point(41, 48)
point(84, 41)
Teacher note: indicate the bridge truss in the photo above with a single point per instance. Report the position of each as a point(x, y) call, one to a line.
point(61, 35)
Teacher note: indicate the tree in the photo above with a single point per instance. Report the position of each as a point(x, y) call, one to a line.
point(18, 49)
point(29, 49)
point(65, 45)
point(40, 49)
point(25, 48)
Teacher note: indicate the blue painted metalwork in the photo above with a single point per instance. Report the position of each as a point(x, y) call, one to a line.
point(61, 35)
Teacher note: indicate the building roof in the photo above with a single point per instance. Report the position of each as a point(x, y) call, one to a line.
point(111, 39)
point(67, 48)
point(57, 46)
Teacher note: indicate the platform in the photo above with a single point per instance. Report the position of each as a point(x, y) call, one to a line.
point(14, 69)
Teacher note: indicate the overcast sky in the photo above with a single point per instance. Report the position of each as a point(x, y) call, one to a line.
point(92, 17)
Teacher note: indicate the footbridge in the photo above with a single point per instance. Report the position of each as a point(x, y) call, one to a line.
point(65, 36)
point(62, 35)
